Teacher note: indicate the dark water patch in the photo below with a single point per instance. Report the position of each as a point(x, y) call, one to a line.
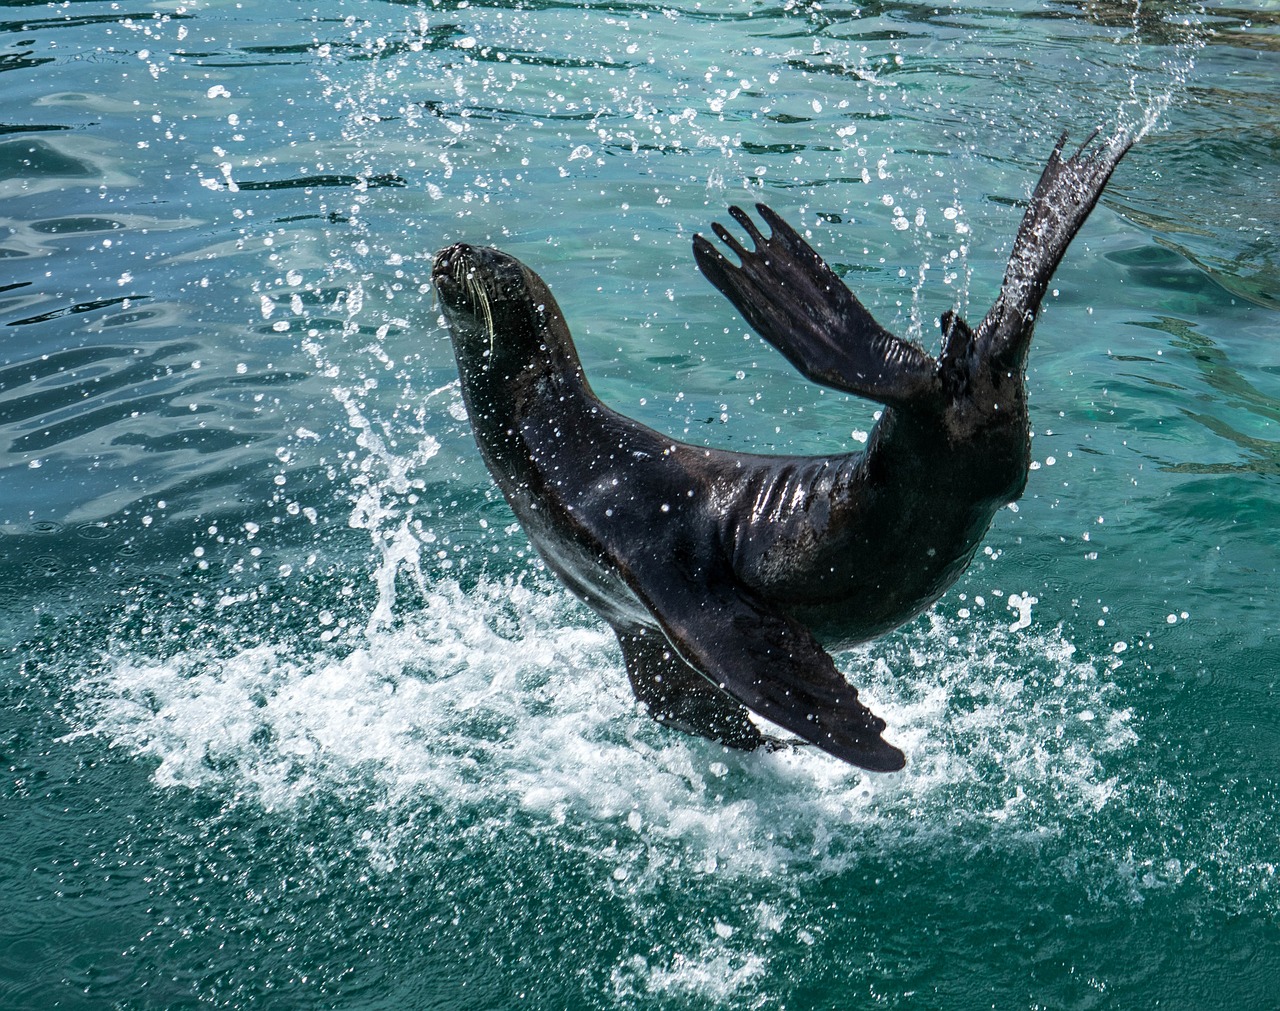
point(67, 361)
point(1173, 25)
point(372, 182)
point(126, 367)
point(209, 438)
point(1216, 368)
point(1245, 277)
point(1262, 456)
point(81, 224)
point(32, 128)
point(341, 49)
point(70, 905)
point(1162, 268)
point(828, 65)
point(81, 21)
point(27, 158)
point(834, 179)
point(198, 440)
point(155, 574)
point(502, 114)
point(1165, 23)
point(332, 218)
point(775, 149)
point(80, 307)
point(1231, 507)
point(296, 49)
point(1207, 181)
point(257, 57)
point(20, 61)
point(542, 58)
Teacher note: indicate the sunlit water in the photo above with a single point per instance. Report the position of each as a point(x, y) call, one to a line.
point(292, 715)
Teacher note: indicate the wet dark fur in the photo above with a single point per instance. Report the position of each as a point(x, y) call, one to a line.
point(725, 574)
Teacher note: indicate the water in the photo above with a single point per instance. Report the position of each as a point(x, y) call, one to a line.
point(292, 716)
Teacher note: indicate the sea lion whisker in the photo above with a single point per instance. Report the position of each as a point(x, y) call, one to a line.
point(465, 276)
point(482, 300)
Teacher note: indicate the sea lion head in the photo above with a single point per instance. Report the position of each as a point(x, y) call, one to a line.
point(499, 311)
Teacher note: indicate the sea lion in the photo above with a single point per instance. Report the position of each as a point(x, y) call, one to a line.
point(723, 574)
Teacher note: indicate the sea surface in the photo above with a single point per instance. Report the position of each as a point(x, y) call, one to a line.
point(293, 716)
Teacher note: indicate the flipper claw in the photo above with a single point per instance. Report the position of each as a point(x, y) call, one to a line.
point(796, 302)
point(749, 226)
point(727, 237)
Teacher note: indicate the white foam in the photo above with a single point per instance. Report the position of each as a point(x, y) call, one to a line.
point(710, 972)
point(512, 697)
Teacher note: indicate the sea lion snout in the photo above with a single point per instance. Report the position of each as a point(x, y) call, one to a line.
point(450, 271)
point(445, 259)
point(473, 278)
point(501, 317)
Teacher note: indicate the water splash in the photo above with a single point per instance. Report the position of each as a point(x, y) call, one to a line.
point(1152, 94)
point(443, 709)
point(435, 688)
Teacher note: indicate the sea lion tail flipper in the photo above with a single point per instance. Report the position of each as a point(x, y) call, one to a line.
point(771, 664)
point(677, 695)
point(795, 301)
point(1067, 192)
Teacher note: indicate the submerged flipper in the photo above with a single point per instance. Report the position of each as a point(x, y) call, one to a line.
point(1063, 198)
point(796, 302)
point(677, 695)
point(767, 661)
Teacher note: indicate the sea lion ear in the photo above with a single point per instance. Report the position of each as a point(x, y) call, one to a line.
point(795, 301)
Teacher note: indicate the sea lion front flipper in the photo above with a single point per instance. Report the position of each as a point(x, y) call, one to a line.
point(795, 301)
point(1067, 192)
point(677, 695)
point(769, 662)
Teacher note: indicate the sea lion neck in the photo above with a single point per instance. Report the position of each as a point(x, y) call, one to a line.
point(511, 343)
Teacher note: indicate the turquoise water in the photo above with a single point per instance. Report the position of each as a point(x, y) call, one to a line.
point(292, 716)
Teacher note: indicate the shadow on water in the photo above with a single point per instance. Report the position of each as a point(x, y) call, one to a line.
point(100, 303)
point(78, 21)
point(1262, 456)
point(312, 182)
point(26, 159)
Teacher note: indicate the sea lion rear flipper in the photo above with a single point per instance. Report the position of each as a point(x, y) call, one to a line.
point(770, 663)
point(1063, 198)
point(678, 696)
point(789, 295)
